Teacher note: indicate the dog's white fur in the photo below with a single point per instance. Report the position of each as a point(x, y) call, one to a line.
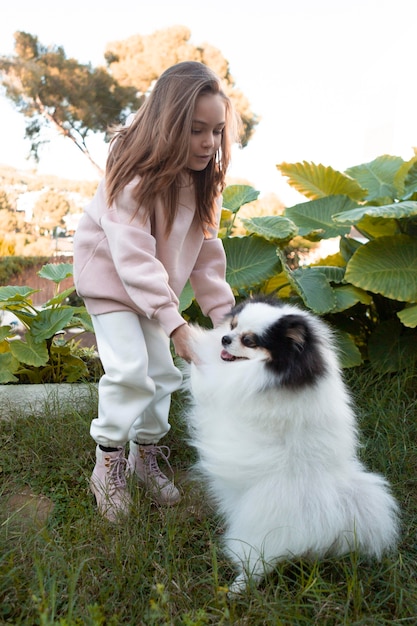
point(282, 463)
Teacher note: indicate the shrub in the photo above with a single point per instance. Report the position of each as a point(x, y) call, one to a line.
point(43, 354)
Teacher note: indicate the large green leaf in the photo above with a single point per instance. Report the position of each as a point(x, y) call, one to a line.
point(30, 352)
point(250, 261)
point(23, 314)
point(408, 316)
point(316, 216)
point(348, 247)
point(56, 272)
point(406, 179)
point(186, 298)
point(60, 297)
point(5, 331)
point(349, 353)
point(235, 196)
point(314, 288)
point(390, 349)
point(348, 295)
point(271, 227)
point(397, 210)
point(8, 365)
point(12, 294)
point(333, 273)
point(317, 181)
point(387, 265)
point(74, 369)
point(81, 317)
point(378, 176)
point(49, 322)
point(372, 227)
point(410, 185)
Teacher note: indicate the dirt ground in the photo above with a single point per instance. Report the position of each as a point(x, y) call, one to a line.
point(25, 509)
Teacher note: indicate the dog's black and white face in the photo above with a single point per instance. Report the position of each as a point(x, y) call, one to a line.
point(286, 340)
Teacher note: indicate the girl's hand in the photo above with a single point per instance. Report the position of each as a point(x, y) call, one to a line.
point(181, 338)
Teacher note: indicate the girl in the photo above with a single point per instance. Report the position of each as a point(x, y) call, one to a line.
point(151, 226)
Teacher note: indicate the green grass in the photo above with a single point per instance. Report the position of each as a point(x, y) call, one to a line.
point(164, 566)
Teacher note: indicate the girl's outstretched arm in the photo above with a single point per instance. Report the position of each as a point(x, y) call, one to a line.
point(181, 338)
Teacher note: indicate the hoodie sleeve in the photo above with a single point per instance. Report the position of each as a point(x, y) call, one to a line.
point(208, 278)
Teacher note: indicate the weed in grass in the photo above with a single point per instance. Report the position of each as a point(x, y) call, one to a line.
point(164, 566)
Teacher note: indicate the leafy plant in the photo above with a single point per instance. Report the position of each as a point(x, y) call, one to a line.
point(368, 290)
point(43, 354)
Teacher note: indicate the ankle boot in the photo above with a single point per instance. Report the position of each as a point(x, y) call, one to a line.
point(108, 484)
point(143, 463)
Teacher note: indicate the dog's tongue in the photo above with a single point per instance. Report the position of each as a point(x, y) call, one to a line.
point(226, 356)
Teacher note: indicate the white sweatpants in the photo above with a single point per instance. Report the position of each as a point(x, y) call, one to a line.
point(139, 378)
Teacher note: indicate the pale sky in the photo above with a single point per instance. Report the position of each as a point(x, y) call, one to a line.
point(333, 81)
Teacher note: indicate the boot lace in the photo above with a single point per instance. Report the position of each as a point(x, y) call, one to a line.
point(150, 456)
point(117, 471)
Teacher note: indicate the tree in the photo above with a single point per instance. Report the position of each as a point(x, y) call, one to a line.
point(140, 60)
point(49, 211)
point(78, 100)
point(75, 99)
point(8, 217)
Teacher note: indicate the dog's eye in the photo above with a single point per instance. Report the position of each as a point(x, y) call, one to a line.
point(249, 341)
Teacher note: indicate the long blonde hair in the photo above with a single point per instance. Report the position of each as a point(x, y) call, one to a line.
point(155, 146)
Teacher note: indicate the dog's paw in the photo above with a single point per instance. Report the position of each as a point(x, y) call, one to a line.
point(238, 586)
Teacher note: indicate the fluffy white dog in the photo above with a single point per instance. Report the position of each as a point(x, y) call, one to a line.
point(276, 436)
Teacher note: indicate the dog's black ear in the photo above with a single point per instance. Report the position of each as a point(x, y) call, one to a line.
point(295, 356)
point(297, 333)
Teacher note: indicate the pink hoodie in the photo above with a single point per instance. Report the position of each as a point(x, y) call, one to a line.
point(123, 263)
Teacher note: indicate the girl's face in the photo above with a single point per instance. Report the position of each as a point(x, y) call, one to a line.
point(206, 133)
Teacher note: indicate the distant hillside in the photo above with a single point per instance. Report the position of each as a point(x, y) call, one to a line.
point(33, 181)
point(39, 213)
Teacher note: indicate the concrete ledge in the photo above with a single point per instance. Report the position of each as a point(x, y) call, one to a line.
point(26, 400)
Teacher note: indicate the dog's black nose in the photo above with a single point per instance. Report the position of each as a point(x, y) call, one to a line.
point(226, 340)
